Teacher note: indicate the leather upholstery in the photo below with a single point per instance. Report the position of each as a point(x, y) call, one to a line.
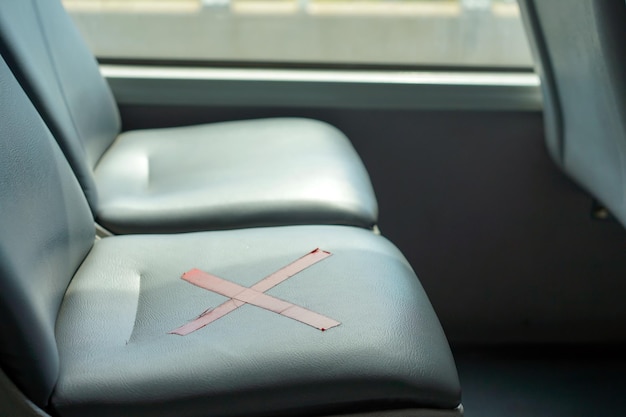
point(235, 174)
point(99, 346)
point(579, 52)
point(200, 178)
point(61, 77)
point(46, 229)
point(116, 354)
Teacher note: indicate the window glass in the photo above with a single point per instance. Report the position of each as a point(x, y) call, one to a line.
point(439, 33)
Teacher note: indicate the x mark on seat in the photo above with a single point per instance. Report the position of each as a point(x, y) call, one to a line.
point(255, 295)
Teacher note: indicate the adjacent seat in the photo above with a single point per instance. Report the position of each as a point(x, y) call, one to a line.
point(579, 53)
point(218, 176)
point(85, 326)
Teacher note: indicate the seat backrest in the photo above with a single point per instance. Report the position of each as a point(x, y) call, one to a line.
point(46, 230)
point(60, 75)
point(580, 55)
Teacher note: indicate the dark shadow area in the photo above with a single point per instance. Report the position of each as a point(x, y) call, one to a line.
point(540, 380)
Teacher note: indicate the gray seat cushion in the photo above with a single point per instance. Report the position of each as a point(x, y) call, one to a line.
point(255, 173)
point(117, 358)
point(235, 174)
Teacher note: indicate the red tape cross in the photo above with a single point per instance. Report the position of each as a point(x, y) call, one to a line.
point(256, 296)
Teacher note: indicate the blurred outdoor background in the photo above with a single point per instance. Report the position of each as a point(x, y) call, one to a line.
point(417, 33)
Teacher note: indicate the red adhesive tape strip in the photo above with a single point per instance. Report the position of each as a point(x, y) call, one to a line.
point(290, 270)
point(207, 317)
point(255, 295)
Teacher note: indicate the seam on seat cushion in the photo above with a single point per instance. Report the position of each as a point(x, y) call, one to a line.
point(132, 331)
